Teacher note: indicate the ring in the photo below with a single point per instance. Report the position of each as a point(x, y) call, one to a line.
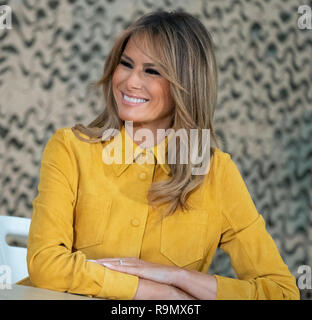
point(120, 262)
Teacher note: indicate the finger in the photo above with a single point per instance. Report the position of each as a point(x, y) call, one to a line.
point(113, 262)
point(138, 270)
point(118, 259)
point(128, 261)
point(111, 259)
point(126, 269)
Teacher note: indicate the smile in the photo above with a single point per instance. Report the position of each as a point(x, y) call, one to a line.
point(132, 101)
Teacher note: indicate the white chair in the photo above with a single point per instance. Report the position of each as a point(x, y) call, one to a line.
point(13, 257)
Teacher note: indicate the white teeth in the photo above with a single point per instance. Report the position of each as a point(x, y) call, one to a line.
point(133, 99)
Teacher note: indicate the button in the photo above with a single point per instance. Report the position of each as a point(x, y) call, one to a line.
point(135, 222)
point(142, 176)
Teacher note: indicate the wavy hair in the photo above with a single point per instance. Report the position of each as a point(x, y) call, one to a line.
point(182, 49)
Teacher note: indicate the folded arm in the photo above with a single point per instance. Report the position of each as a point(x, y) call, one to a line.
point(261, 272)
point(52, 264)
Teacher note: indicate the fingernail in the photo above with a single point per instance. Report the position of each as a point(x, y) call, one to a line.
point(107, 264)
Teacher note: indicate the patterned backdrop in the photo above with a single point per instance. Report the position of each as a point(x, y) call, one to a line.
point(264, 115)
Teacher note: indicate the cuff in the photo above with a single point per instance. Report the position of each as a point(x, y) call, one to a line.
point(232, 289)
point(118, 285)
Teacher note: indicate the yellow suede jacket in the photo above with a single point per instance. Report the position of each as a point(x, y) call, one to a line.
point(86, 209)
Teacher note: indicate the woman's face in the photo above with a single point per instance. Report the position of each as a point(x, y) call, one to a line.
point(137, 78)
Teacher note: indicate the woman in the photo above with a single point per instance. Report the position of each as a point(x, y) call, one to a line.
point(149, 230)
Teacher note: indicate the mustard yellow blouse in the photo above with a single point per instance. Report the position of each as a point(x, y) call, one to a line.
point(86, 209)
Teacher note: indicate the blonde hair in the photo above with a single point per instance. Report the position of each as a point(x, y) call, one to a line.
point(183, 52)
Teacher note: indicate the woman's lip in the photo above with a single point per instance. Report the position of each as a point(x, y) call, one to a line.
point(129, 102)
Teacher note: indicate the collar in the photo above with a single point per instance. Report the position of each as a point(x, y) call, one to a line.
point(155, 154)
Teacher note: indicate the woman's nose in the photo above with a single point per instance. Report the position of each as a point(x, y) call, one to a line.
point(134, 80)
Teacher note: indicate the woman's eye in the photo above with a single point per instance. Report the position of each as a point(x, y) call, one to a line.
point(152, 71)
point(125, 63)
point(128, 65)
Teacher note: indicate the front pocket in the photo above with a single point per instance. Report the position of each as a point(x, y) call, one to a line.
point(183, 236)
point(91, 219)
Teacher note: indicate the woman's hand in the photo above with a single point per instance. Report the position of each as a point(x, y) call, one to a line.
point(143, 269)
point(172, 282)
point(150, 290)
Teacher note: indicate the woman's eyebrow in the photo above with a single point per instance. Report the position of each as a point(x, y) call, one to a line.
point(145, 64)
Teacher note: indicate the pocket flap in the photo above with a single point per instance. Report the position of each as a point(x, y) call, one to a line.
point(91, 219)
point(182, 237)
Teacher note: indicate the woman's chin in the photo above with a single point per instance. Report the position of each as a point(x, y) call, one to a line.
point(127, 117)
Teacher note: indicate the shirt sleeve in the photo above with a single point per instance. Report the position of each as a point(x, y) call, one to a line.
point(261, 272)
point(51, 262)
